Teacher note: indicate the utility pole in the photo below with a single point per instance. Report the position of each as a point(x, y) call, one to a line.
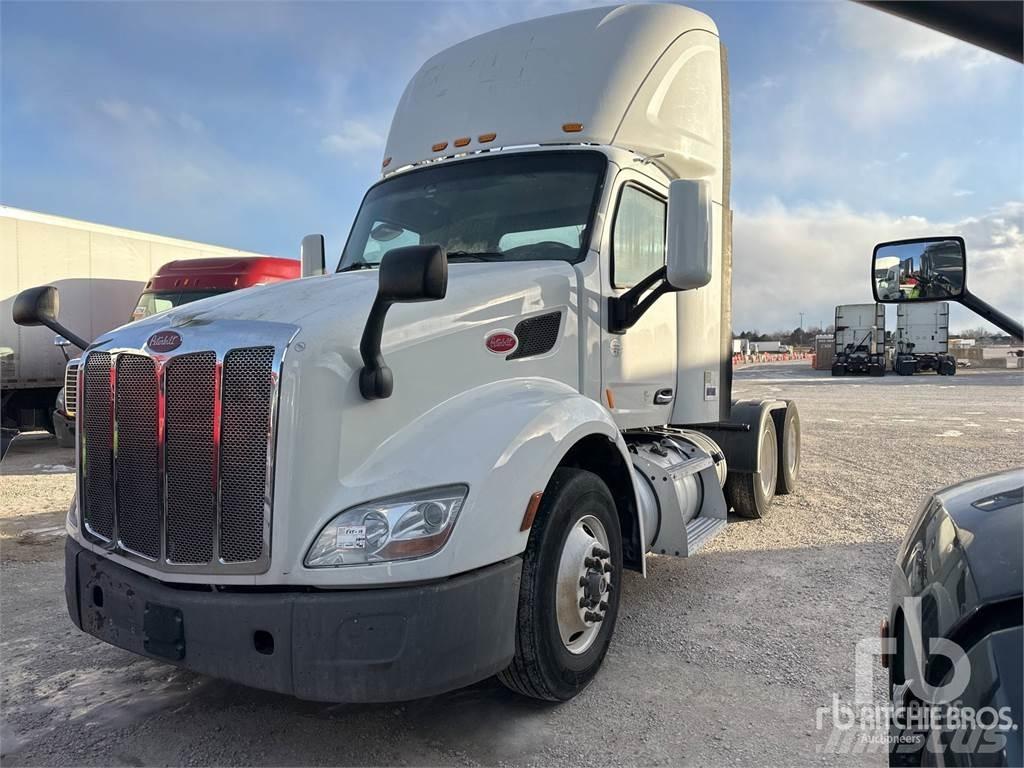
point(801, 321)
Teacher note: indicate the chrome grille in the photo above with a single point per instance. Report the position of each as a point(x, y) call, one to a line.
point(71, 388)
point(189, 456)
point(138, 476)
point(243, 465)
point(98, 446)
point(176, 454)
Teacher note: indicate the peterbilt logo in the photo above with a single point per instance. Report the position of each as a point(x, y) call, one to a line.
point(164, 341)
point(501, 342)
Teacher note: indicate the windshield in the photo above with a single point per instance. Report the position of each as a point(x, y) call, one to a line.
point(152, 302)
point(499, 208)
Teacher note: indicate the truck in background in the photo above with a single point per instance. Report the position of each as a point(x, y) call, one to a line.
point(922, 339)
point(100, 272)
point(770, 347)
point(741, 347)
point(435, 465)
point(180, 282)
point(859, 340)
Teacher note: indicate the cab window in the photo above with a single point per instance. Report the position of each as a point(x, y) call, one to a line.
point(638, 237)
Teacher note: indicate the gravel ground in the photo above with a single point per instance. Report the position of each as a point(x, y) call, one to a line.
point(720, 659)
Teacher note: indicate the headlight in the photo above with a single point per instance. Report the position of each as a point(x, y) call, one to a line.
point(397, 528)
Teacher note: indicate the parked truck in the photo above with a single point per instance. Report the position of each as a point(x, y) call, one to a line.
point(100, 272)
point(771, 347)
point(859, 340)
point(922, 339)
point(436, 464)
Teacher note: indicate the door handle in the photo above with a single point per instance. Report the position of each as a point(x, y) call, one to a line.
point(663, 396)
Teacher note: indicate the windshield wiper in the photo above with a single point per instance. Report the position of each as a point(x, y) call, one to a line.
point(359, 265)
point(476, 255)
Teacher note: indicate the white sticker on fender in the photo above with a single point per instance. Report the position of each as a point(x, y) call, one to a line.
point(350, 537)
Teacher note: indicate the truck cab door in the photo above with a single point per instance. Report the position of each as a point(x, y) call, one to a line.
point(638, 367)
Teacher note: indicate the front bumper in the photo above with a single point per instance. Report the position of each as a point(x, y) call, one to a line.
point(368, 645)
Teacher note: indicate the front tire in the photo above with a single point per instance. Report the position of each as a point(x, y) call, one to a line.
point(572, 571)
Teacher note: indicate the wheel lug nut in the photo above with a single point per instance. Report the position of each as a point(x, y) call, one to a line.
point(607, 567)
point(591, 616)
point(583, 581)
point(598, 552)
point(604, 605)
point(592, 562)
point(584, 602)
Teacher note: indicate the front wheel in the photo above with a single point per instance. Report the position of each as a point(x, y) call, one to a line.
point(569, 594)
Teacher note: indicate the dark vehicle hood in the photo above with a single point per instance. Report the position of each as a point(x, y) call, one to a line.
point(988, 514)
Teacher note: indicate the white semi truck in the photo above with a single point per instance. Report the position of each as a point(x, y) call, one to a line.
point(859, 340)
point(922, 339)
point(435, 465)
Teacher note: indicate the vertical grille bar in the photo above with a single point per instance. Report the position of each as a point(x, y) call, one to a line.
point(247, 395)
point(98, 445)
point(190, 382)
point(138, 479)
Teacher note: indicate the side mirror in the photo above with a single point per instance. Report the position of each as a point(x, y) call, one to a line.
point(410, 274)
point(311, 255)
point(39, 306)
point(688, 253)
point(931, 269)
point(922, 269)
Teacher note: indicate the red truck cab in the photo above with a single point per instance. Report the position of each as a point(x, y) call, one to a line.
point(179, 282)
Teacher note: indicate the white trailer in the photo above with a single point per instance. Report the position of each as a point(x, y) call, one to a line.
point(772, 347)
point(922, 339)
point(100, 272)
point(435, 465)
point(859, 340)
point(741, 346)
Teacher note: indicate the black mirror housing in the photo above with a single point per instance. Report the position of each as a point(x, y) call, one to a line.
point(409, 274)
point(413, 273)
point(36, 306)
point(39, 306)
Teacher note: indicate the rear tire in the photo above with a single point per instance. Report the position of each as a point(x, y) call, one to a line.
point(550, 663)
point(750, 494)
point(787, 430)
point(838, 369)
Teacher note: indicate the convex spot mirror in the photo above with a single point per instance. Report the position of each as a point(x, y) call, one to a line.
point(688, 254)
point(922, 269)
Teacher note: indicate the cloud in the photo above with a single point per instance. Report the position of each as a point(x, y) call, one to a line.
point(810, 258)
point(354, 137)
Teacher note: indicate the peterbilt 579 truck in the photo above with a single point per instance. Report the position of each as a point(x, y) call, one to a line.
point(859, 340)
point(434, 465)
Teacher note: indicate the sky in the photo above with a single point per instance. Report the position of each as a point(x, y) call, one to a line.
point(251, 124)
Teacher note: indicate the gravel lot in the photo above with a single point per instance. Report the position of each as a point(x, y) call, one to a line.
point(720, 659)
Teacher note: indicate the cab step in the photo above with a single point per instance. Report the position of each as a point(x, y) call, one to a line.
point(701, 530)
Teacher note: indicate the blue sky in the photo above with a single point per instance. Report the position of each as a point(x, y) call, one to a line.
point(251, 124)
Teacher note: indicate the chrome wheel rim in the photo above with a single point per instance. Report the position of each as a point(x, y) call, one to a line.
point(768, 464)
point(791, 450)
point(584, 580)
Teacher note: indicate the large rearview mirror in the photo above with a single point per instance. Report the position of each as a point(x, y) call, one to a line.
point(922, 269)
point(40, 306)
point(688, 254)
point(36, 306)
point(311, 255)
point(413, 273)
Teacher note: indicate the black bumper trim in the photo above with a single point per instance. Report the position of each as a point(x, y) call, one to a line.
point(368, 645)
